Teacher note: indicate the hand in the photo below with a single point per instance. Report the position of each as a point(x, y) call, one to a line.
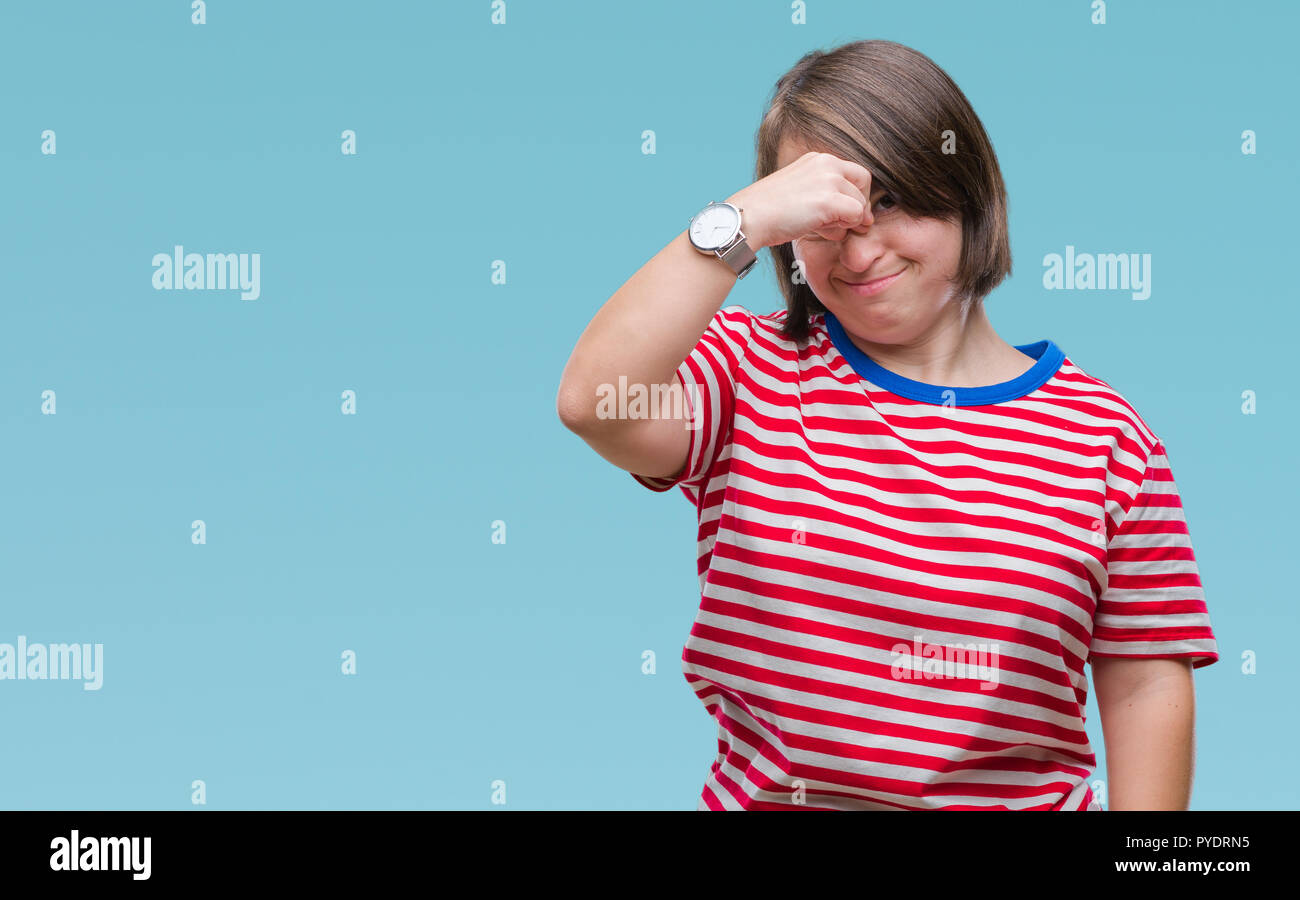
point(818, 193)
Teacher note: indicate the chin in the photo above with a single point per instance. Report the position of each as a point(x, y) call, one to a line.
point(877, 323)
point(849, 307)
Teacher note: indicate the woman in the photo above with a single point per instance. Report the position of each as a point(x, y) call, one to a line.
point(912, 534)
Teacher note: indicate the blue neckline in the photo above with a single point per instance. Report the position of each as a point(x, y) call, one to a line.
point(1049, 358)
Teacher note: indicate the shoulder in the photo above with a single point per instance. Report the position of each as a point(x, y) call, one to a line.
point(1099, 406)
point(746, 327)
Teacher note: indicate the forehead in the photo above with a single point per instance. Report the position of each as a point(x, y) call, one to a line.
point(791, 148)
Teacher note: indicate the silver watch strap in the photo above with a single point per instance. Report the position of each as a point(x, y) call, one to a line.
point(739, 256)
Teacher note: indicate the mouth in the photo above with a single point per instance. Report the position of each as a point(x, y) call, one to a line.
point(868, 288)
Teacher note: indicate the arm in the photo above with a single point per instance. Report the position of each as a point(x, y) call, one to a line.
point(1148, 709)
point(643, 333)
point(652, 323)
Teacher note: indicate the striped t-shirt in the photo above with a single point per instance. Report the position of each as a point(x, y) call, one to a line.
point(901, 582)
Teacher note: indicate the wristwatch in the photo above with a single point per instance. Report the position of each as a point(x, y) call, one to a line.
point(715, 231)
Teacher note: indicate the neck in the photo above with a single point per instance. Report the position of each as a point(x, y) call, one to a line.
point(960, 350)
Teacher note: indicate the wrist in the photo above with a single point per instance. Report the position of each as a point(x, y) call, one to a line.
point(751, 224)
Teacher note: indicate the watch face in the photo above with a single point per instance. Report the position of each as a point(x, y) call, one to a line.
point(714, 226)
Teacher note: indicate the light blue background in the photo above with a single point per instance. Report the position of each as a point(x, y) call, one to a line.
point(523, 143)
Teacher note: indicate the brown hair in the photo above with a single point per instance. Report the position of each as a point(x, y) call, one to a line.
point(892, 110)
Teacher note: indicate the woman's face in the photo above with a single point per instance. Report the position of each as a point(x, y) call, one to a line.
point(925, 253)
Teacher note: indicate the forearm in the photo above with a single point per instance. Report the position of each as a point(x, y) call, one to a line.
point(1149, 736)
point(647, 328)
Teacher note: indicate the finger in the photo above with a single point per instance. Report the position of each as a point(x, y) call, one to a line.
point(856, 175)
point(866, 218)
point(845, 212)
point(851, 189)
point(831, 233)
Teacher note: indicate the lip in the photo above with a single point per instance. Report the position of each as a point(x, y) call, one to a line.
point(868, 288)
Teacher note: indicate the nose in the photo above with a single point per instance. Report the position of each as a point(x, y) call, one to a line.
point(860, 249)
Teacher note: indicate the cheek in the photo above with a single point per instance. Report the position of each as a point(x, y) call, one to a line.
point(817, 259)
point(938, 242)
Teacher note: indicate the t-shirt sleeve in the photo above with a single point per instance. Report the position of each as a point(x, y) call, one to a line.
point(1153, 604)
point(708, 377)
